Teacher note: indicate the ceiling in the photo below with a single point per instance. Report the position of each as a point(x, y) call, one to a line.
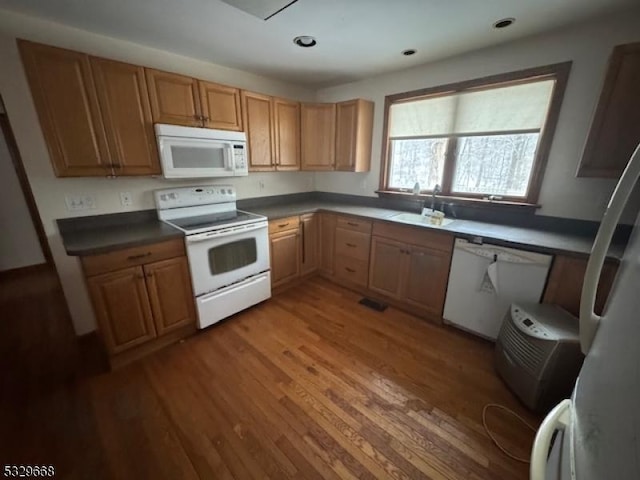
point(356, 38)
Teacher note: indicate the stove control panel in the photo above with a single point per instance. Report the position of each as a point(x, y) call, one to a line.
point(194, 196)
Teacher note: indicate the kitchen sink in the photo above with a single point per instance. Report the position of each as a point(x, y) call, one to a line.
point(417, 219)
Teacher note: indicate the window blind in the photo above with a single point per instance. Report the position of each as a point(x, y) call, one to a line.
point(509, 108)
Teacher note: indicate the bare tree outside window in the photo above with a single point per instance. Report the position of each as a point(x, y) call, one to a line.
point(414, 161)
point(495, 164)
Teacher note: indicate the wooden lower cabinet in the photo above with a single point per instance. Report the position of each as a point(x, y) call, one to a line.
point(327, 243)
point(564, 287)
point(309, 230)
point(144, 306)
point(170, 294)
point(285, 256)
point(426, 279)
point(386, 267)
point(414, 275)
point(122, 308)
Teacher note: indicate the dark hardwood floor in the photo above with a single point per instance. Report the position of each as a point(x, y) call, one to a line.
point(307, 385)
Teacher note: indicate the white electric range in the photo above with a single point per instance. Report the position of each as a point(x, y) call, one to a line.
point(228, 249)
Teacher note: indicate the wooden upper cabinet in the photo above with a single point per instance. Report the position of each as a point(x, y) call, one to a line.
point(124, 103)
point(169, 286)
point(66, 102)
point(258, 120)
point(220, 106)
point(286, 133)
point(317, 130)
point(174, 98)
point(122, 307)
point(615, 130)
point(354, 128)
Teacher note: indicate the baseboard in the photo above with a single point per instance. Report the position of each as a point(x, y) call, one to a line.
point(23, 271)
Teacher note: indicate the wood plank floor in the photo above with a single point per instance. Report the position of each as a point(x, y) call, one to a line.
point(307, 385)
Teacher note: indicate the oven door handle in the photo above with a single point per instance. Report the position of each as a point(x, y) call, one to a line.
point(200, 237)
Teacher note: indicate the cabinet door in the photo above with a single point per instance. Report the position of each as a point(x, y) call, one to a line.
point(286, 125)
point(387, 267)
point(327, 242)
point(124, 103)
point(426, 279)
point(170, 293)
point(220, 106)
point(65, 99)
point(318, 131)
point(615, 129)
point(354, 127)
point(258, 125)
point(122, 308)
point(564, 287)
point(310, 231)
point(285, 256)
point(174, 98)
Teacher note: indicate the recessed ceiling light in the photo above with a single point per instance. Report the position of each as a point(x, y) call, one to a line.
point(504, 23)
point(409, 52)
point(305, 41)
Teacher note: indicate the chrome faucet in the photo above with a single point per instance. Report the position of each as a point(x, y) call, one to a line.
point(435, 191)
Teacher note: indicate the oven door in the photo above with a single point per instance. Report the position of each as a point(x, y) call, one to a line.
point(227, 256)
point(183, 157)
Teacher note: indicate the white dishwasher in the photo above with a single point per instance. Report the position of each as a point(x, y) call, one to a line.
point(486, 279)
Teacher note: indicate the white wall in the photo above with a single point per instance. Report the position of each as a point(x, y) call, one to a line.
point(49, 191)
point(19, 244)
point(588, 46)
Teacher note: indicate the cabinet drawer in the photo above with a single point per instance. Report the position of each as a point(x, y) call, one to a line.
point(351, 269)
point(420, 236)
point(352, 244)
point(128, 257)
point(282, 224)
point(353, 223)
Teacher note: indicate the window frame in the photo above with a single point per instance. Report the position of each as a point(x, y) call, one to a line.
point(559, 72)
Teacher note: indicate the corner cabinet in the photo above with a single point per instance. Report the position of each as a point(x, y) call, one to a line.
point(615, 130)
point(142, 298)
point(67, 105)
point(354, 129)
point(317, 131)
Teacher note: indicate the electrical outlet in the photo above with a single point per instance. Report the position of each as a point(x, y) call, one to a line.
point(261, 184)
point(77, 203)
point(125, 199)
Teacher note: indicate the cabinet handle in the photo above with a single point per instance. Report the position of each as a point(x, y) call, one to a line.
point(350, 245)
point(350, 270)
point(353, 224)
point(116, 165)
point(282, 225)
point(138, 257)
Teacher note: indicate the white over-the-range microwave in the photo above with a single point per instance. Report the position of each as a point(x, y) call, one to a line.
point(188, 152)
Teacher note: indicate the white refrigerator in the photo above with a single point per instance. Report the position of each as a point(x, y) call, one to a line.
point(598, 428)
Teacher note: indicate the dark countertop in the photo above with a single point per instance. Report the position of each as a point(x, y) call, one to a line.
point(505, 235)
point(103, 233)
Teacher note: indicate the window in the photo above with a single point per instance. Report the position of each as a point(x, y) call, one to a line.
point(485, 138)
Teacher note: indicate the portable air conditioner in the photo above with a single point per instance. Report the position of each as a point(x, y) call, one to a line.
point(538, 353)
